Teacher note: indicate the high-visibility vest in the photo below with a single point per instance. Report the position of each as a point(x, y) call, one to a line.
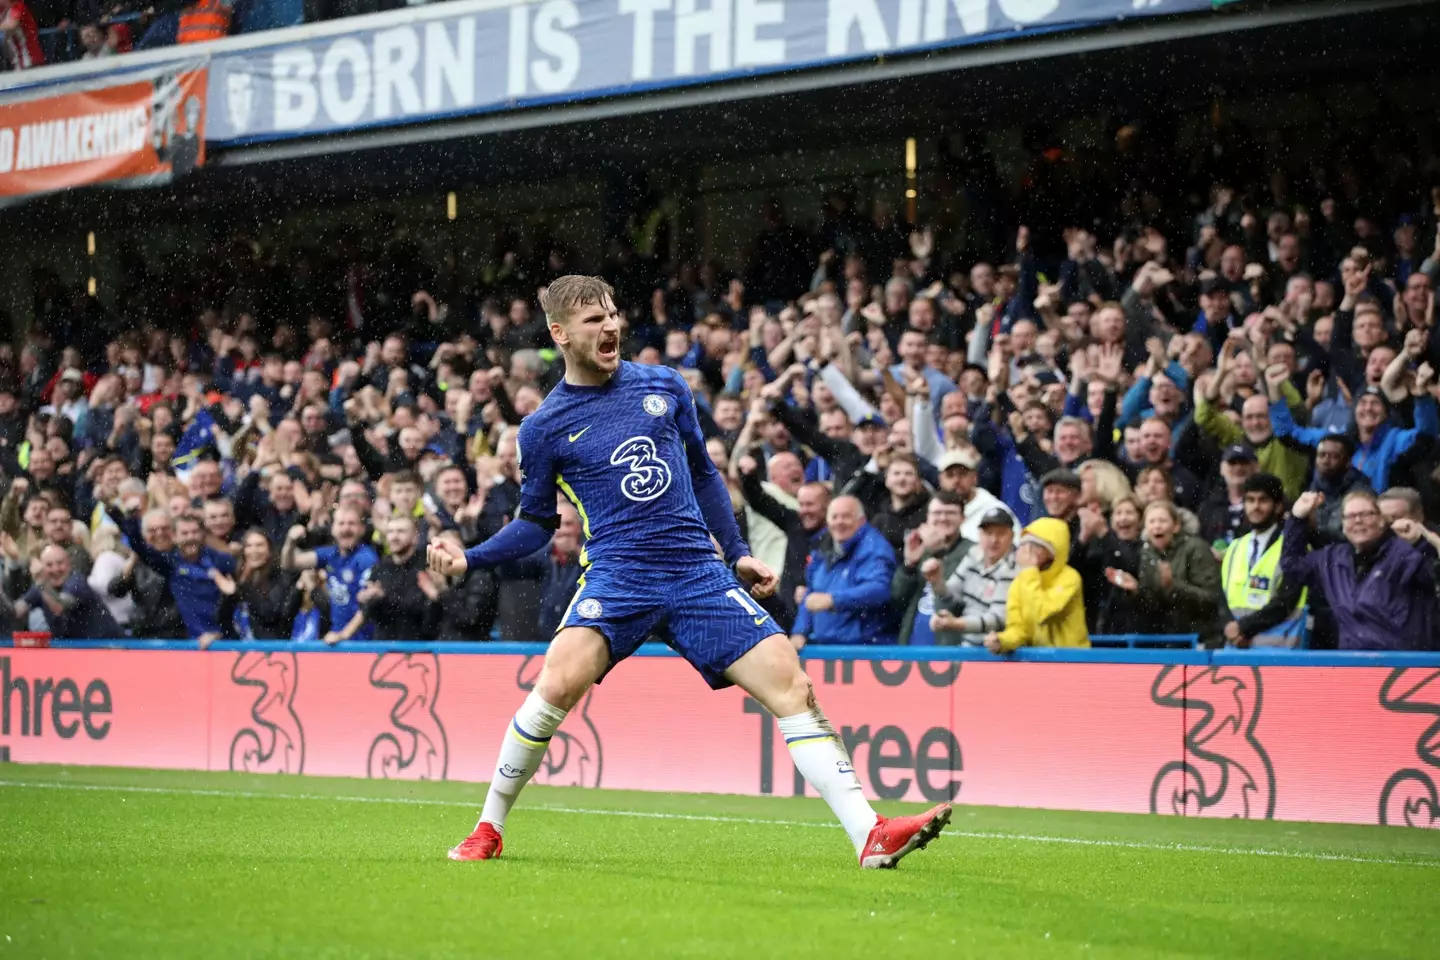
point(205, 20)
point(1247, 588)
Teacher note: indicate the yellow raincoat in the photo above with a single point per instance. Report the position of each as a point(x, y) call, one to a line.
point(1046, 608)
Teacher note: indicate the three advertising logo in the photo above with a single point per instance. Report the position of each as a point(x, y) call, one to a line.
point(574, 758)
point(1409, 798)
point(1226, 771)
point(276, 744)
point(417, 748)
point(27, 702)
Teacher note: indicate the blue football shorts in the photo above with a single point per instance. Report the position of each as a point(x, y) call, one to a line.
point(703, 613)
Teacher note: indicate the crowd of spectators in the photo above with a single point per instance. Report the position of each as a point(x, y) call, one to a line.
point(37, 32)
point(1218, 424)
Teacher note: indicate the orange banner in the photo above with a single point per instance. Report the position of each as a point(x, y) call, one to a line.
point(143, 132)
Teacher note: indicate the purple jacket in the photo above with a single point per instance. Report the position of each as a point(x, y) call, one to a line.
point(1392, 608)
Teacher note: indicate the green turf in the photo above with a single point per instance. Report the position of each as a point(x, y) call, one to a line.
point(228, 865)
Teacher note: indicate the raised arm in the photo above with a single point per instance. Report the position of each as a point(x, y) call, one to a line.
point(292, 557)
point(152, 558)
point(538, 518)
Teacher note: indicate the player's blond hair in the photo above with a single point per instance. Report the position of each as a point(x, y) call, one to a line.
point(566, 293)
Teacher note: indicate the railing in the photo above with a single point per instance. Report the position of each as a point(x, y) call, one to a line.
point(62, 44)
point(1137, 648)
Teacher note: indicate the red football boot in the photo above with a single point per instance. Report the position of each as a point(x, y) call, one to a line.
point(483, 844)
point(892, 839)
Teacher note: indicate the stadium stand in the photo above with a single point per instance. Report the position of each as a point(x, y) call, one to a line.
point(1122, 340)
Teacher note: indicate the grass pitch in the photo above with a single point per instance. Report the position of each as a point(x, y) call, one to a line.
point(131, 863)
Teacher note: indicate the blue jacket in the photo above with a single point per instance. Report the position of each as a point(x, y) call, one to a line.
point(1374, 459)
point(1390, 607)
point(196, 595)
point(857, 575)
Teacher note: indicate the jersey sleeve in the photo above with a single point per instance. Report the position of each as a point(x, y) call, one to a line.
point(324, 556)
point(535, 455)
point(710, 490)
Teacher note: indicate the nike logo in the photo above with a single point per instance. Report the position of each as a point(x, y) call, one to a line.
point(511, 773)
point(576, 436)
point(759, 620)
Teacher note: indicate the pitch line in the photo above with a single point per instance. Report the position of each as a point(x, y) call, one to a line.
point(755, 821)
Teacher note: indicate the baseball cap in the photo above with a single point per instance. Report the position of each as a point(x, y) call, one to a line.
point(1238, 453)
point(72, 374)
point(873, 420)
point(1066, 478)
point(1212, 285)
point(958, 458)
point(1375, 392)
point(997, 517)
point(1268, 484)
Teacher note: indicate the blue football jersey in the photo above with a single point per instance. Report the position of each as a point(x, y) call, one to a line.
point(627, 454)
point(345, 575)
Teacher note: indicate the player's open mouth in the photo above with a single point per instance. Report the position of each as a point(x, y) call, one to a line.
point(608, 348)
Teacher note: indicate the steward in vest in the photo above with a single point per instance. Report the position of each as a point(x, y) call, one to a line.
point(204, 20)
point(1255, 599)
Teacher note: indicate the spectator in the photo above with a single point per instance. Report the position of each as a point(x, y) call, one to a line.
point(261, 601)
point(1102, 482)
point(903, 506)
point(1256, 598)
point(60, 531)
point(1334, 479)
point(1045, 606)
point(347, 566)
point(1402, 503)
point(392, 597)
point(464, 608)
point(105, 567)
point(1379, 443)
point(971, 601)
point(20, 35)
point(1179, 578)
point(156, 613)
point(1273, 454)
point(932, 552)
point(847, 583)
point(72, 610)
point(803, 527)
point(187, 571)
point(562, 573)
point(958, 475)
point(1222, 514)
point(1379, 581)
point(1114, 550)
point(275, 508)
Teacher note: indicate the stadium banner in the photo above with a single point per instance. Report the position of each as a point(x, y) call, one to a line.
point(135, 130)
point(1346, 744)
point(467, 58)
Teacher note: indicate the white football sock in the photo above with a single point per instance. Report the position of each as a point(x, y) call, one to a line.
point(820, 757)
point(521, 753)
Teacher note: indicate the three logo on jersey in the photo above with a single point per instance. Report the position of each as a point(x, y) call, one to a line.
point(647, 475)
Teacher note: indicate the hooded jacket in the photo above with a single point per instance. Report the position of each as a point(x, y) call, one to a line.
point(1046, 607)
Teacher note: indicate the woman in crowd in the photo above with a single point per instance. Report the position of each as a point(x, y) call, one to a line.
point(1103, 482)
point(1115, 549)
point(261, 601)
point(1179, 578)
